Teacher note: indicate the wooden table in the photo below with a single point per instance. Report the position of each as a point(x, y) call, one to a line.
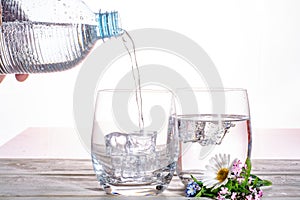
point(74, 179)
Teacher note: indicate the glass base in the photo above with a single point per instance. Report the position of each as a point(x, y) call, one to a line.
point(134, 190)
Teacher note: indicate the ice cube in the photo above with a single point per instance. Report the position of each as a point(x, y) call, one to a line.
point(129, 167)
point(191, 130)
point(203, 132)
point(116, 143)
point(214, 132)
point(141, 143)
point(131, 155)
point(133, 143)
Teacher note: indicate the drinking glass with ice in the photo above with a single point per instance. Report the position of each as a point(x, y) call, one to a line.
point(134, 145)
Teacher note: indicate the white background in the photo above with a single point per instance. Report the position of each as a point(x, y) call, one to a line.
point(254, 45)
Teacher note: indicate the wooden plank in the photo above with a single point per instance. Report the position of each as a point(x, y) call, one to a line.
point(26, 185)
point(129, 198)
point(45, 166)
point(62, 166)
point(276, 166)
point(75, 179)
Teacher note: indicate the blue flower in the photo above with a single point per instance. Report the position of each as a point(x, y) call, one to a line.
point(191, 189)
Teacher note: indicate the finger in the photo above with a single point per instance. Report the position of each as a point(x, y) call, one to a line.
point(21, 77)
point(1, 78)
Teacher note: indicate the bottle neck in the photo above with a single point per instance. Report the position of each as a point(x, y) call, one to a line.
point(109, 25)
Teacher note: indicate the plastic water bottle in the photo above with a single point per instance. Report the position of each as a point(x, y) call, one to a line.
point(38, 36)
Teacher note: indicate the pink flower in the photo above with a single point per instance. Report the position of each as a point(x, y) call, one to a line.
point(251, 189)
point(233, 196)
point(256, 197)
point(250, 179)
point(249, 197)
point(238, 163)
point(240, 180)
point(223, 190)
point(220, 197)
point(260, 193)
point(236, 168)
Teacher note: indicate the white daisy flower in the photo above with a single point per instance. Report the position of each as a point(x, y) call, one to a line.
point(218, 172)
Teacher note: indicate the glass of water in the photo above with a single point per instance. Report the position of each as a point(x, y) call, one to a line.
point(134, 145)
point(210, 123)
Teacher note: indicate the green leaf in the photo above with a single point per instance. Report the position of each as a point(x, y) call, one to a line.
point(267, 183)
point(249, 166)
point(236, 185)
point(258, 182)
point(245, 182)
point(196, 181)
point(247, 172)
point(209, 195)
point(229, 184)
point(215, 190)
point(255, 181)
point(199, 194)
point(254, 177)
point(193, 178)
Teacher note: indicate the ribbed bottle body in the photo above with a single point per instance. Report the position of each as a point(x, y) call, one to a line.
point(41, 36)
point(28, 47)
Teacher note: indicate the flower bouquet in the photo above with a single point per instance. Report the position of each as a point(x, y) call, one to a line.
point(224, 180)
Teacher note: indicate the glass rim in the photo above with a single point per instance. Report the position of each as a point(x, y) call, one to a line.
point(212, 89)
point(133, 90)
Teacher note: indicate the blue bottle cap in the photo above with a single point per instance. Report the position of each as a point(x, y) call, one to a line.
point(109, 25)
